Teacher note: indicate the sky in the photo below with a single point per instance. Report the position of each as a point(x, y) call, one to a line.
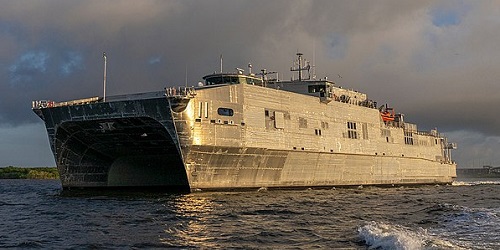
point(434, 61)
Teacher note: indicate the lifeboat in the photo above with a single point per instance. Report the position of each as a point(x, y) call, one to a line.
point(387, 116)
point(387, 113)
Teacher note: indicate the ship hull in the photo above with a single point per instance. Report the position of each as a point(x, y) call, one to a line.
point(161, 142)
point(232, 168)
point(116, 151)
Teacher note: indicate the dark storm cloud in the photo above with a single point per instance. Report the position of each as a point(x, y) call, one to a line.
point(432, 60)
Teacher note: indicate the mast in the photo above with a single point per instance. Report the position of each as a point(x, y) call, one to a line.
point(300, 68)
point(105, 62)
point(314, 61)
point(221, 59)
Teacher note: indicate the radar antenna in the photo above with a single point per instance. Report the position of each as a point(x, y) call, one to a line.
point(240, 71)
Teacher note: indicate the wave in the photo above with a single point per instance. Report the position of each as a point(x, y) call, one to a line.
point(479, 225)
point(456, 215)
point(381, 235)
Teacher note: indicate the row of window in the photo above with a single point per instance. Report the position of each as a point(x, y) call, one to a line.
point(225, 79)
point(352, 132)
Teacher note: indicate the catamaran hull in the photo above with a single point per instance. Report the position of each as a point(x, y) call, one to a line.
point(141, 143)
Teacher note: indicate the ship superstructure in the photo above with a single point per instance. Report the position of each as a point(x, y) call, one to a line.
point(242, 131)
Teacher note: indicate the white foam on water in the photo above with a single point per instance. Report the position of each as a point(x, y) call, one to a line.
point(464, 224)
point(474, 183)
point(381, 235)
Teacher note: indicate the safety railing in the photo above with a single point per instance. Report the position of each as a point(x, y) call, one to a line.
point(189, 92)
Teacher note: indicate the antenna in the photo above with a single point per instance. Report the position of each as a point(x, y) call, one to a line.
point(105, 62)
point(221, 59)
point(314, 59)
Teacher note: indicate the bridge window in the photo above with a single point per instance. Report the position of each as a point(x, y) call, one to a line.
point(222, 79)
point(225, 111)
point(316, 88)
point(254, 81)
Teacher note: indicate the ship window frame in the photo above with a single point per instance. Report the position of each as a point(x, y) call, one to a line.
point(225, 111)
point(351, 130)
point(409, 138)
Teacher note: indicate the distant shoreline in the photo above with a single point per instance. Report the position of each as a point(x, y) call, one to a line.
point(478, 172)
point(12, 172)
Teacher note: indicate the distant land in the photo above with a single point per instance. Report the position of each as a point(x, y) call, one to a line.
point(485, 172)
point(12, 172)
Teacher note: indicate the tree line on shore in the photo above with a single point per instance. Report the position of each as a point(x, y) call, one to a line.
point(12, 172)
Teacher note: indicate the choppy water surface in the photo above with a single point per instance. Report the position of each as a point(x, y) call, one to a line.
point(35, 214)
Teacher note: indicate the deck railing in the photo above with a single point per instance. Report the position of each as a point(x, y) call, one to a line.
point(180, 92)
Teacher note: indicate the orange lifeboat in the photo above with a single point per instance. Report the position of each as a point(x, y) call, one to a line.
point(387, 116)
point(387, 113)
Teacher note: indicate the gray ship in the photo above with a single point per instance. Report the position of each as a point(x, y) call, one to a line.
point(237, 131)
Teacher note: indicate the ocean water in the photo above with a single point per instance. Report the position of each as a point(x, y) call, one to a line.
point(465, 215)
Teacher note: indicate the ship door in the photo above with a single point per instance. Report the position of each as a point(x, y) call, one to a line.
point(326, 94)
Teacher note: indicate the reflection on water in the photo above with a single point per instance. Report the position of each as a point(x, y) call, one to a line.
point(188, 216)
